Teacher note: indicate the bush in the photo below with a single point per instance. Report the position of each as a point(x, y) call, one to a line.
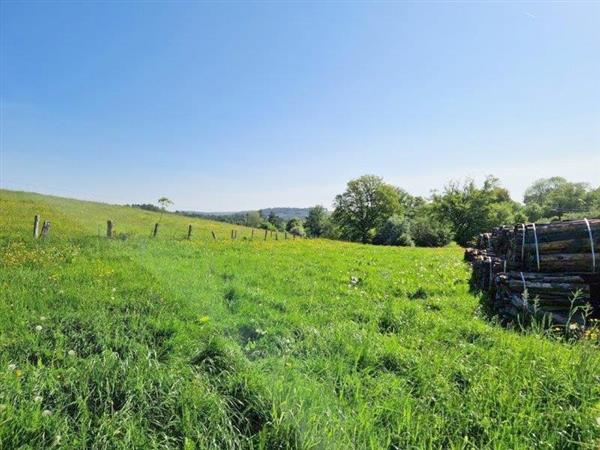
point(427, 232)
point(395, 231)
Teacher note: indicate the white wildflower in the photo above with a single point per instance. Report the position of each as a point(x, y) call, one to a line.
point(38, 328)
point(46, 413)
point(12, 367)
point(71, 353)
point(38, 399)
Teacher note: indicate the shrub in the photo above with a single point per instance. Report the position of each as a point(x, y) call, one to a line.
point(427, 232)
point(395, 231)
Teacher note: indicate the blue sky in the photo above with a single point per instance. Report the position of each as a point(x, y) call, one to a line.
point(240, 105)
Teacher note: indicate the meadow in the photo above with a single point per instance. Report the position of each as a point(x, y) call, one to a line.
point(141, 342)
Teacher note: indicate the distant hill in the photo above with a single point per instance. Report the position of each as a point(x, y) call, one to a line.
point(283, 212)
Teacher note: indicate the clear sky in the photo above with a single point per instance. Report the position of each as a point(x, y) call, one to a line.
point(242, 105)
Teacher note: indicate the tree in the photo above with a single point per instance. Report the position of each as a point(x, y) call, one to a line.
point(295, 226)
point(471, 210)
point(317, 222)
point(275, 220)
point(365, 205)
point(164, 203)
point(253, 219)
point(395, 231)
point(550, 197)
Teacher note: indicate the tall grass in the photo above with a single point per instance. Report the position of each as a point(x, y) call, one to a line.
point(168, 343)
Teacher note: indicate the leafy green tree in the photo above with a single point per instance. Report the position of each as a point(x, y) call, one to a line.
point(471, 210)
point(295, 226)
point(365, 205)
point(395, 231)
point(555, 197)
point(317, 222)
point(253, 219)
point(275, 220)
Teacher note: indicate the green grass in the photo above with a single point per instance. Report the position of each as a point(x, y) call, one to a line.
point(169, 343)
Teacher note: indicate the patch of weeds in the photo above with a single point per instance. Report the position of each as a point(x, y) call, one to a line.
point(216, 358)
point(419, 294)
point(231, 297)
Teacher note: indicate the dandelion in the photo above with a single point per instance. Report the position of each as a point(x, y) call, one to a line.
point(12, 367)
point(38, 328)
point(204, 319)
point(38, 399)
point(46, 413)
point(71, 353)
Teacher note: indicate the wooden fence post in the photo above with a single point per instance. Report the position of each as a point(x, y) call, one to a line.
point(214, 235)
point(285, 235)
point(252, 234)
point(155, 232)
point(231, 234)
point(294, 236)
point(36, 226)
point(109, 229)
point(266, 231)
point(277, 235)
point(189, 231)
point(45, 228)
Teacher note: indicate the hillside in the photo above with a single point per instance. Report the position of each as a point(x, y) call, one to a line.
point(285, 213)
point(141, 342)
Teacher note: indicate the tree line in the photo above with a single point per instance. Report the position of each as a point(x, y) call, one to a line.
point(373, 211)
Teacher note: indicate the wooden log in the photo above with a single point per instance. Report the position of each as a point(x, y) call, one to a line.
point(109, 229)
point(155, 231)
point(189, 235)
point(36, 226)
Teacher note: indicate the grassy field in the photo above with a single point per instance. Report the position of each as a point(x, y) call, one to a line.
point(167, 343)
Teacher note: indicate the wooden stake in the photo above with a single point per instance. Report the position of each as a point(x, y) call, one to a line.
point(252, 235)
point(155, 232)
point(214, 235)
point(45, 228)
point(285, 235)
point(36, 226)
point(190, 231)
point(109, 229)
point(277, 235)
point(266, 231)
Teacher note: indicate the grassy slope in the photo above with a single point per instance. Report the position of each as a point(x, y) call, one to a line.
point(262, 343)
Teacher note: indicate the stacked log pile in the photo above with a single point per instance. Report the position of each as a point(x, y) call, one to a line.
point(550, 270)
